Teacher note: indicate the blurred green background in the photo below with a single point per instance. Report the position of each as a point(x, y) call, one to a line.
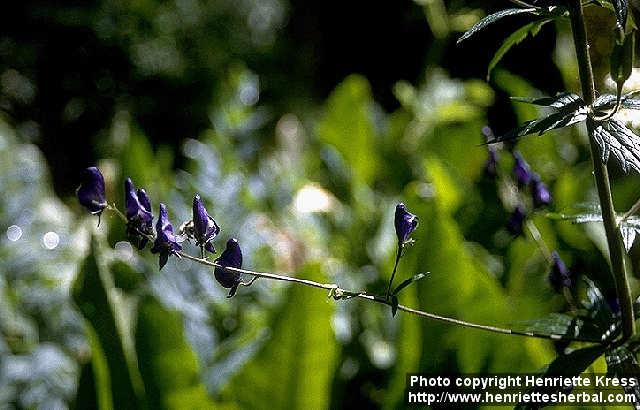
point(301, 125)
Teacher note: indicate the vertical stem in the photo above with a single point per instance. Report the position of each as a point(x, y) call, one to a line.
point(395, 267)
point(614, 239)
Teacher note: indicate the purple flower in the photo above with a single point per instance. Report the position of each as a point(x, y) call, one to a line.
point(491, 166)
point(232, 257)
point(138, 212)
point(165, 243)
point(559, 276)
point(91, 193)
point(521, 169)
point(205, 227)
point(515, 223)
point(405, 223)
point(539, 192)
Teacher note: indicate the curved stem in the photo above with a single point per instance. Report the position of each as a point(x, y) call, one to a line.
point(395, 268)
point(614, 240)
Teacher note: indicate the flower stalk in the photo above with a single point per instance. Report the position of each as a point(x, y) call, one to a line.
point(614, 239)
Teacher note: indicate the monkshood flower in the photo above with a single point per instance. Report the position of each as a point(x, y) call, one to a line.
point(521, 169)
point(491, 166)
point(205, 227)
point(91, 192)
point(559, 276)
point(405, 223)
point(165, 243)
point(231, 257)
point(515, 224)
point(138, 213)
point(539, 192)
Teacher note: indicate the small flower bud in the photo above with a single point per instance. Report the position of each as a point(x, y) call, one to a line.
point(165, 243)
point(539, 192)
point(91, 193)
point(205, 228)
point(515, 224)
point(231, 257)
point(405, 223)
point(559, 276)
point(521, 169)
point(138, 213)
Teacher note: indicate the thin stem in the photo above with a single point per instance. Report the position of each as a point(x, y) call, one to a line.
point(395, 267)
point(631, 211)
point(339, 293)
point(614, 240)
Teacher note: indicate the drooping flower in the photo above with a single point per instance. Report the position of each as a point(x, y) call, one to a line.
point(521, 169)
point(205, 227)
point(231, 257)
point(491, 165)
point(91, 192)
point(165, 243)
point(405, 223)
point(559, 276)
point(539, 192)
point(515, 224)
point(138, 213)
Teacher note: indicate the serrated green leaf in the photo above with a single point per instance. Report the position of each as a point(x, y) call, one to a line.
point(613, 137)
point(92, 293)
point(492, 18)
point(168, 366)
point(621, 363)
point(621, 8)
point(515, 38)
point(558, 101)
point(568, 365)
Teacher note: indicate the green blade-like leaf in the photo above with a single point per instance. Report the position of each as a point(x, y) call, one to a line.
point(568, 365)
point(558, 101)
point(92, 294)
point(516, 37)
point(408, 282)
point(614, 137)
point(294, 369)
point(621, 9)
point(168, 366)
point(492, 18)
point(565, 326)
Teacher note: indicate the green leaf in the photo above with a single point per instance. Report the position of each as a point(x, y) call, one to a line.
point(294, 369)
point(622, 60)
point(560, 100)
point(93, 294)
point(166, 361)
point(492, 18)
point(613, 137)
point(568, 365)
point(348, 126)
point(621, 363)
point(394, 305)
point(621, 8)
point(565, 326)
point(515, 38)
point(408, 282)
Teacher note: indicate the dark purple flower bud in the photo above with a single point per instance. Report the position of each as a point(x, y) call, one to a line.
point(521, 169)
point(405, 223)
point(165, 243)
point(559, 276)
point(204, 226)
point(138, 212)
point(232, 257)
point(539, 192)
point(491, 166)
point(515, 224)
point(91, 193)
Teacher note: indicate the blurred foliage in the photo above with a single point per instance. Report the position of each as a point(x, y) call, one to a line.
point(308, 188)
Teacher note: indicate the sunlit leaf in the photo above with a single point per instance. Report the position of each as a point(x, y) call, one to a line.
point(492, 18)
point(621, 363)
point(565, 326)
point(613, 137)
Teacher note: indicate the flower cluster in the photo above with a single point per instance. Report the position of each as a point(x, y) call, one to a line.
point(202, 228)
point(524, 177)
